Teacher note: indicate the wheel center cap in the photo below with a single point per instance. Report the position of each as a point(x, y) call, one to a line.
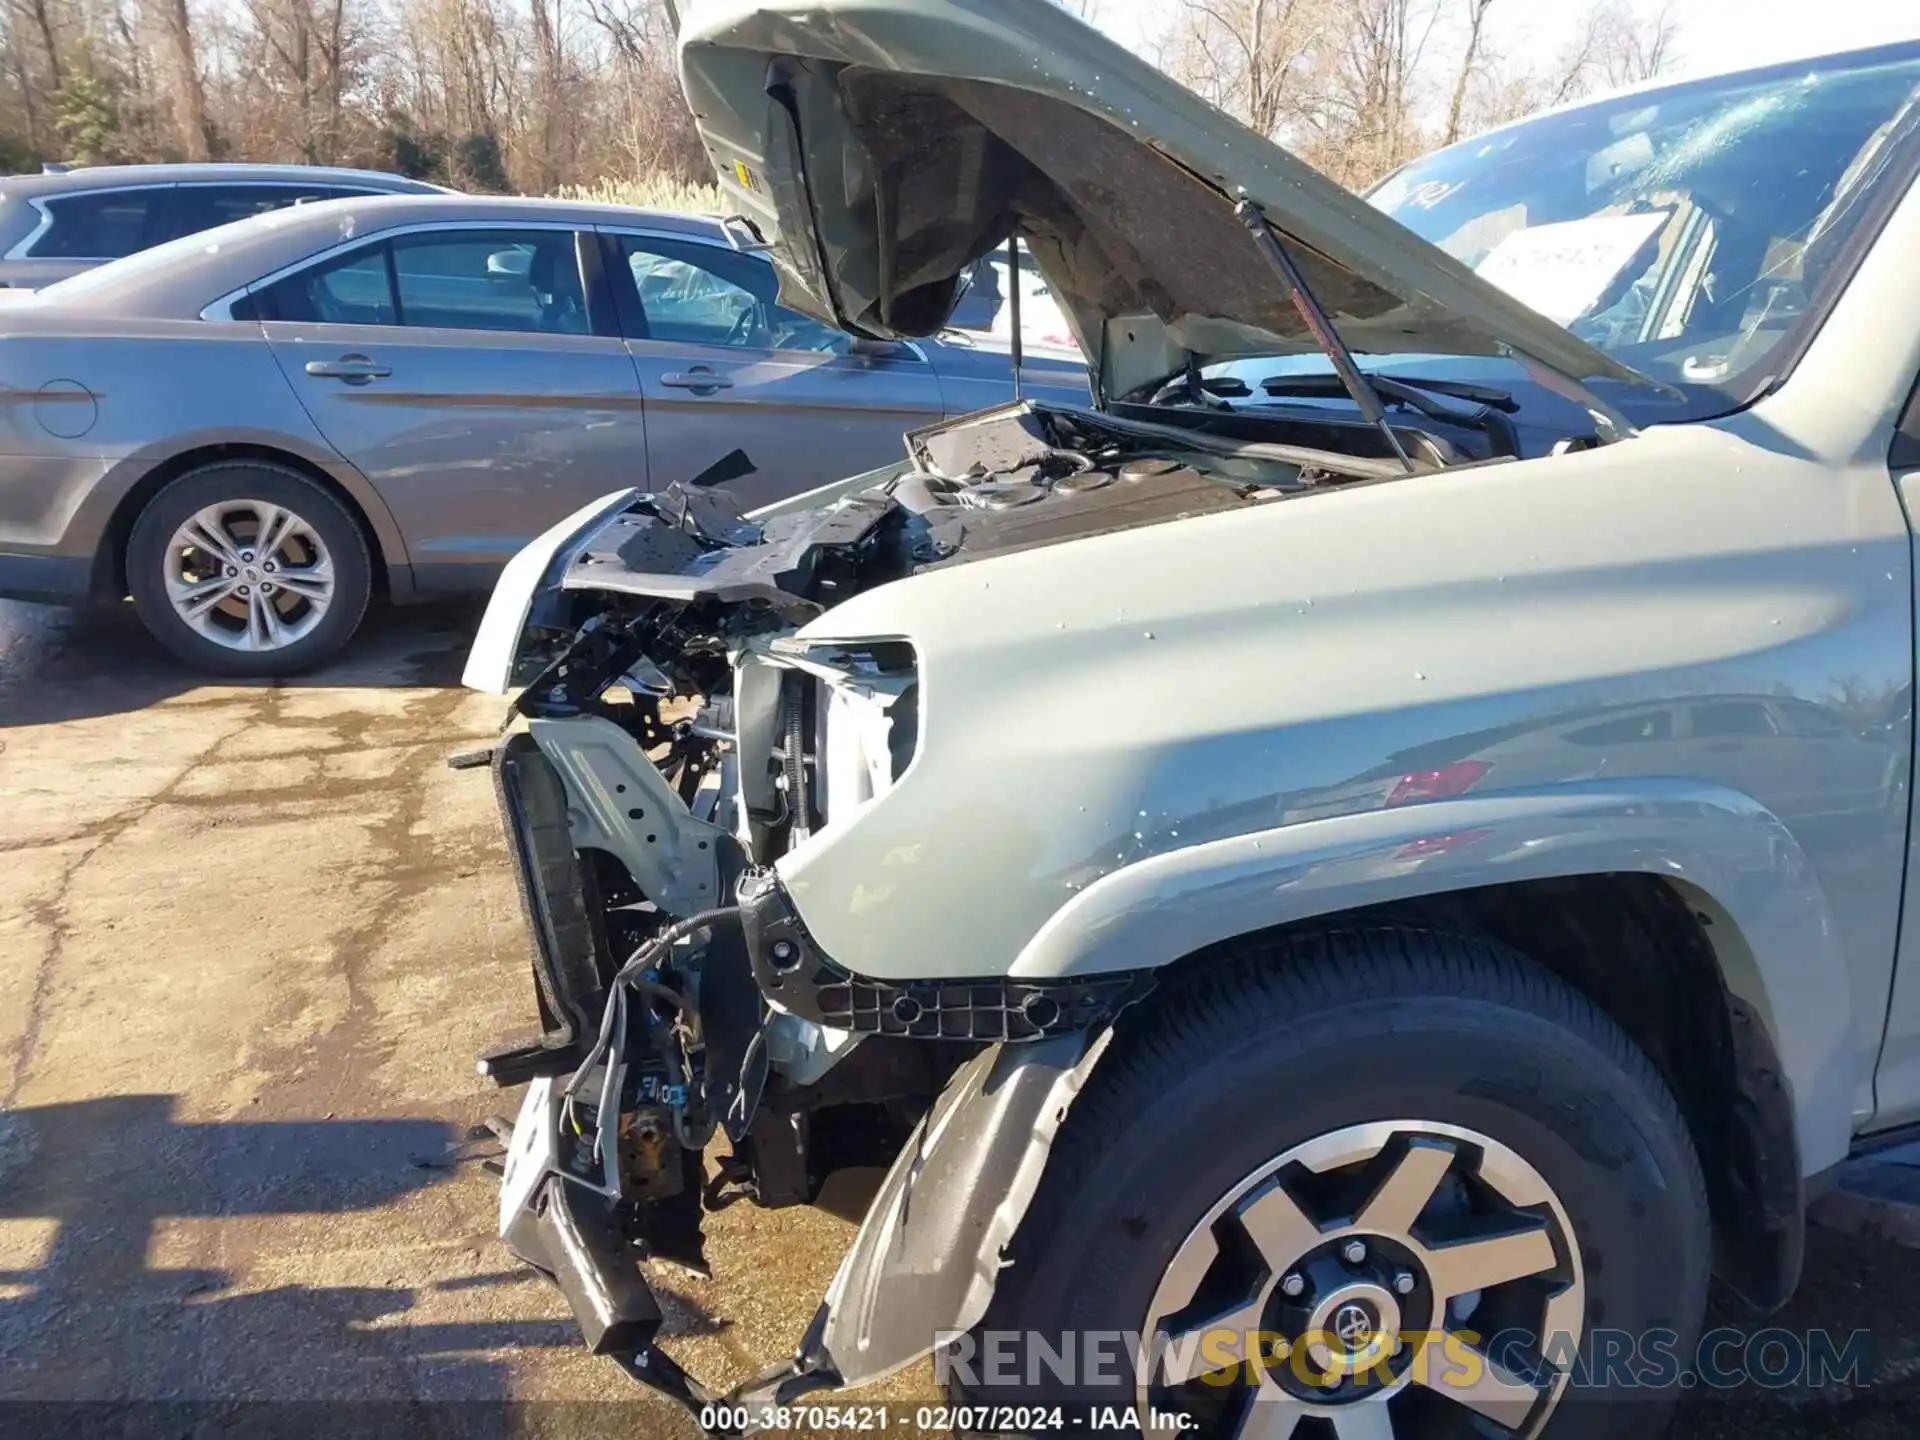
point(1354, 1326)
point(252, 574)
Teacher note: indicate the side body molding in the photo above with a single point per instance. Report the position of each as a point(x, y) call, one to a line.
point(1733, 859)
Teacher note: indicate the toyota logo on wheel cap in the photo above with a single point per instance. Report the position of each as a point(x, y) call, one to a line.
point(1354, 1327)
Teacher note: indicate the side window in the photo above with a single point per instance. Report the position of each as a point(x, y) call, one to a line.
point(514, 280)
point(1627, 730)
point(201, 207)
point(349, 289)
point(694, 294)
point(102, 226)
point(1731, 720)
point(1806, 721)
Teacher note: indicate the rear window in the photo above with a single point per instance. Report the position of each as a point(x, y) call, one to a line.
point(101, 225)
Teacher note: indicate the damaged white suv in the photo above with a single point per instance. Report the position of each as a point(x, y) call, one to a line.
point(1363, 867)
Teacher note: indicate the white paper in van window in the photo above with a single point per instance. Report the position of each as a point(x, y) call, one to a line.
point(1562, 269)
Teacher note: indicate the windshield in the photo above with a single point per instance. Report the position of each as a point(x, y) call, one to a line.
point(1685, 231)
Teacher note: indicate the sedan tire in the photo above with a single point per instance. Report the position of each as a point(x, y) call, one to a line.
point(250, 569)
point(1349, 1184)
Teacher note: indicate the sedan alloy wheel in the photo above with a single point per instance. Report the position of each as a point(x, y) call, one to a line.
point(249, 575)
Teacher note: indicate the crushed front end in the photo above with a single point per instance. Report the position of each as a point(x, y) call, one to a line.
point(682, 741)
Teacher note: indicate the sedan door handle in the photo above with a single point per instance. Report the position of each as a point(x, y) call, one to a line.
point(698, 378)
point(354, 369)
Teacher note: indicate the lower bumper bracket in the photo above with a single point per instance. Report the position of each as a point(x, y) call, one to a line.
point(662, 1374)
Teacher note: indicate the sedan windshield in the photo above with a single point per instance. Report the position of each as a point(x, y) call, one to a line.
point(1687, 231)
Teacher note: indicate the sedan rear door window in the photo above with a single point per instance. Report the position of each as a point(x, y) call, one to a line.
point(100, 225)
point(513, 280)
point(350, 289)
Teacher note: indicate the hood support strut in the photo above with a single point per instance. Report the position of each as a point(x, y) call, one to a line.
point(1013, 307)
point(1358, 386)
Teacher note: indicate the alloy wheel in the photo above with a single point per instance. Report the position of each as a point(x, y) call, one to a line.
point(249, 575)
point(1352, 1287)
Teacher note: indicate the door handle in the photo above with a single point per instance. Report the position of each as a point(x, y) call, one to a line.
point(354, 369)
point(698, 378)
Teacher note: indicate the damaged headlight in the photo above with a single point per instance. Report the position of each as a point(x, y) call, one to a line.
point(866, 716)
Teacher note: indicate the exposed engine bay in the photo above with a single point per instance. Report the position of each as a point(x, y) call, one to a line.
point(678, 737)
point(1001, 480)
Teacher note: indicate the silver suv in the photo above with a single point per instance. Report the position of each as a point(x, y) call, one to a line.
point(1348, 878)
point(57, 224)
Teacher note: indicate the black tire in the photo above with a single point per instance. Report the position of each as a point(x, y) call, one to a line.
point(1314, 1033)
point(261, 480)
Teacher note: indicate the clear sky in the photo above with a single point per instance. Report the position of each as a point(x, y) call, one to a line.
point(1732, 34)
point(1714, 34)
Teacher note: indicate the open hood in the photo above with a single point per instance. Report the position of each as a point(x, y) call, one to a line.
point(880, 147)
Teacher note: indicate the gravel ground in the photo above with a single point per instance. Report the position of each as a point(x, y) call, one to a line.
point(250, 938)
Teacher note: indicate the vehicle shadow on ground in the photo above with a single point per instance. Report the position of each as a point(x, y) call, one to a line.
point(99, 1337)
point(60, 665)
point(1849, 1285)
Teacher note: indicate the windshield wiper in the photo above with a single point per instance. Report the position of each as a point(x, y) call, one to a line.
point(1352, 377)
point(1488, 415)
point(1460, 390)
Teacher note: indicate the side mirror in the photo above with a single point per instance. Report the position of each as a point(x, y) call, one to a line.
point(868, 348)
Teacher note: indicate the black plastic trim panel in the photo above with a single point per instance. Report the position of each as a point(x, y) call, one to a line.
point(553, 896)
point(794, 974)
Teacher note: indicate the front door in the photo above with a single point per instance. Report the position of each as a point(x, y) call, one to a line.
point(458, 367)
point(724, 367)
point(1897, 1082)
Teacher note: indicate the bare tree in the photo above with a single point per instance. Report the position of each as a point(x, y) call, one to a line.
point(196, 130)
point(1469, 59)
point(548, 94)
point(544, 94)
point(1343, 82)
point(302, 56)
point(25, 122)
point(1255, 59)
point(648, 127)
point(41, 13)
point(1615, 43)
point(1634, 48)
point(1372, 98)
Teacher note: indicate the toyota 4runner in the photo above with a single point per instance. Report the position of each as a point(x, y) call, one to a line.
point(1367, 856)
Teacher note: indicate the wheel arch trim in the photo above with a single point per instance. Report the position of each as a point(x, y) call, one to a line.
point(132, 482)
point(1769, 921)
point(969, 1170)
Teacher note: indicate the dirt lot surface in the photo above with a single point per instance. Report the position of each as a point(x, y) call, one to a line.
point(250, 938)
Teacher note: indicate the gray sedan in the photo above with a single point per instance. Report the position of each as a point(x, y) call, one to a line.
point(254, 430)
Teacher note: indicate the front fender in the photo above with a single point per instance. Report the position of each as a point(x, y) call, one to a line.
point(1730, 852)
